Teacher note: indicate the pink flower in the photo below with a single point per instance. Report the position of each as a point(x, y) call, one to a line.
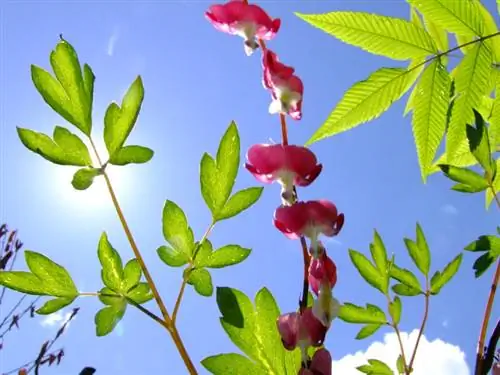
point(288, 164)
point(286, 88)
point(322, 269)
point(248, 21)
point(309, 219)
point(301, 330)
point(321, 364)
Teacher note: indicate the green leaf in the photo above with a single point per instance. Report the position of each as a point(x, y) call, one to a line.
point(366, 269)
point(395, 309)
point(480, 145)
point(239, 202)
point(392, 37)
point(484, 262)
point(140, 294)
point(176, 229)
point(406, 290)
point(471, 84)
point(65, 149)
point(84, 178)
point(55, 279)
point(110, 298)
point(485, 243)
point(225, 256)
point(404, 276)
point(431, 102)
point(231, 363)
point(120, 120)
point(24, 282)
point(440, 279)
point(254, 331)
point(131, 274)
point(490, 27)
point(54, 305)
point(400, 364)
point(111, 262)
point(367, 331)
point(108, 317)
point(375, 367)
point(367, 100)
point(496, 185)
point(439, 35)
point(131, 154)
point(370, 314)
point(201, 280)
point(67, 94)
point(460, 17)
point(379, 253)
point(172, 257)
point(473, 180)
point(217, 176)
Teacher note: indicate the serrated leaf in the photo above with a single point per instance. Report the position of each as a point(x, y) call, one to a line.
point(440, 279)
point(490, 27)
point(120, 120)
point(471, 84)
point(231, 363)
point(368, 271)
point(439, 35)
point(84, 178)
point(496, 186)
point(484, 262)
point(111, 262)
point(107, 318)
point(54, 305)
point(217, 176)
point(466, 177)
point(460, 17)
point(480, 145)
point(176, 229)
point(239, 202)
point(367, 331)
point(370, 314)
point(395, 38)
point(430, 102)
point(67, 150)
point(201, 280)
point(131, 155)
point(406, 290)
point(172, 257)
point(404, 276)
point(223, 257)
point(68, 93)
point(395, 310)
point(131, 274)
point(379, 253)
point(55, 279)
point(367, 100)
point(140, 294)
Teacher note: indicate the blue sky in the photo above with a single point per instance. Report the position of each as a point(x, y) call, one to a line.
point(197, 80)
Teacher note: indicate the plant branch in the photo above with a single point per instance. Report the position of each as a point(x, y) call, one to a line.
point(394, 325)
point(484, 325)
point(424, 322)
point(163, 309)
point(186, 274)
point(490, 351)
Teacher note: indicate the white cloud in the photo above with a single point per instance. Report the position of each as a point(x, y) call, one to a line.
point(55, 319)
point(112, 41)
point(445, 323)
point(433, 357)
point(449, 209)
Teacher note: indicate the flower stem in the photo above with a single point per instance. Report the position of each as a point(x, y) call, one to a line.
point(422, 327)
point(394, 325)
point(163, 309)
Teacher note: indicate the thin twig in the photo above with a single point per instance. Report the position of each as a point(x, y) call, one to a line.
point(422, 327)
point(394, 325)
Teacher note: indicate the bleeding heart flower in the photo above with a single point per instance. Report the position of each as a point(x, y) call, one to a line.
point(322, 269)
point(286, 88)
point(309, 219)
point(287, 164)
point(248, 21)
point(321, 364)
point(325, 307)
point(301, 330)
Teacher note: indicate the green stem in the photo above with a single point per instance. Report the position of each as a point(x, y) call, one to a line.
point(394, 325)
point(424, 322)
